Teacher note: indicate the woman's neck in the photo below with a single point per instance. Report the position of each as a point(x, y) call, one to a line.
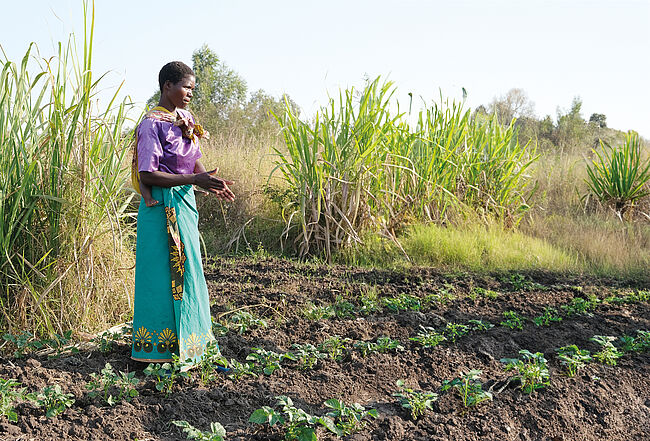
point(167, 105)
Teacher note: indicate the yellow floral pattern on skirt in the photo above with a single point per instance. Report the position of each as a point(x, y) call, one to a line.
point(166, 341)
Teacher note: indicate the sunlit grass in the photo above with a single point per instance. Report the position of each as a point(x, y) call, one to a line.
point(476, 248)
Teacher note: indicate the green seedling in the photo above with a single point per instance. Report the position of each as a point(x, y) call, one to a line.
point(219, 329)
point(297, 424)
point(578, 305)
point(216, 433)
point(365, 347)
point(403, 302)
point(103, 385)
point(642, 341)
point(549, 316)
point(640, 296)
point(519, 282)
point(627, 343)
point(239, 370)
point(24, 343)
point(106, 341)
point(61, 343)
point(573, 358)
point(477, 292)
point(10, 392)
point(469, 388)
point(428, 337)
point(443, 297)
point(614, 300)
point(630, 297)
point(608, 353)
point(454, 331)
point(54, 400)
point(480, 325)
point(370, 303)
point(307, 355)
point(386, 344)
point(165, 375)
point(348, 419)
point(342, 308)
point(383, 345)
point(242, 321)
point(417, 401)
point(513, 320)
point(335, 347)
point(210, 361)
point(313, 312)
point(532, 370)
point(268, 361)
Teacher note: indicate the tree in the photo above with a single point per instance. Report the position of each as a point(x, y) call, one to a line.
point(220, 98)
point(546, 127)
point(599, 119)
point(514, 104)
point(217, 85)
point(261, 108)
point(570, 126)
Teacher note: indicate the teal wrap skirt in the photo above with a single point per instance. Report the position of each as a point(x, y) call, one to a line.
point(171, 307)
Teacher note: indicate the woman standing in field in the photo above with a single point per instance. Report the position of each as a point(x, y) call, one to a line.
point(171, 307)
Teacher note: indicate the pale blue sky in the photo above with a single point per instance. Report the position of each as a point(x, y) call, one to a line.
point(553, 49)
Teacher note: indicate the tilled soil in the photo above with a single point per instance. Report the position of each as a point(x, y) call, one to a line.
point(602, 402)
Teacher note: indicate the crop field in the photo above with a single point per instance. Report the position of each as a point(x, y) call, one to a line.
point(352, 353)
point(436, 273)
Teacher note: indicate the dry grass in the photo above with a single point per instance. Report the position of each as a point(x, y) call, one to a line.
point(605, 244)
point(253, 220)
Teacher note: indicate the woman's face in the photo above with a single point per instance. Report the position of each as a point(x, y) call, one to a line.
point(180, 94)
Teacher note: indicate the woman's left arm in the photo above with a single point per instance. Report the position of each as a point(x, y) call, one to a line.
point(225, 193)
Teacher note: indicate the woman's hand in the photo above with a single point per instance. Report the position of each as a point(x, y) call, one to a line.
point(210, 182)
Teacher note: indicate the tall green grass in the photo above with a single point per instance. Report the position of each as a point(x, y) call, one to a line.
point(62, 236)
point(619, 175)
point(360, 166)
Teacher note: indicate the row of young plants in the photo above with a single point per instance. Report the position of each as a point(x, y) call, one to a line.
point(368, 303)
point(112, 387)
point(51, 398)
point(26, 343)
point(530, 370)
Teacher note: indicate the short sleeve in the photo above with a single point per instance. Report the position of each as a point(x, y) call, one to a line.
point(150, 149)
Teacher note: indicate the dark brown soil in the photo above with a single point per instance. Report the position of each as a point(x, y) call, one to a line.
point(601, 403)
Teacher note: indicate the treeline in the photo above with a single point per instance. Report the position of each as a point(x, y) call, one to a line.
point(568, 132)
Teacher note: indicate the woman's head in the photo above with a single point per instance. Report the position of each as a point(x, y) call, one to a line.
point(173, 72)
point(176, 81)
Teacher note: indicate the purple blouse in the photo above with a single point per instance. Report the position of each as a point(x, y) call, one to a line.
point(161, 147)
